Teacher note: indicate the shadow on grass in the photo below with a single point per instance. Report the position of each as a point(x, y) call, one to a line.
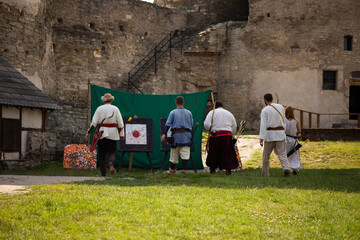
point(342, 180)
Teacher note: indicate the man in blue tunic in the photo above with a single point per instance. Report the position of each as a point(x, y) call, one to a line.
point(180, 123)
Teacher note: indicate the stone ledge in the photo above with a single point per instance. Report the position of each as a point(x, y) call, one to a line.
point(333, 134)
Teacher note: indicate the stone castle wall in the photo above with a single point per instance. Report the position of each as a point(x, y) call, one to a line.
point(56, 45)
point(284, 49)
point(62, 45)
point(216, 10)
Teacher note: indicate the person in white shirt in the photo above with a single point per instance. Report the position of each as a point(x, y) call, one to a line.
point(112, 125)
point(222, 125)
point(272, 135)
point(293, 130)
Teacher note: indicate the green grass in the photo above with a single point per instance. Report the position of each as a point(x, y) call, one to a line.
point(321, 202)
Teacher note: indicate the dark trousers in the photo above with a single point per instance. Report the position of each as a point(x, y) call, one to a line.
point(106, 146)
point(221, 153)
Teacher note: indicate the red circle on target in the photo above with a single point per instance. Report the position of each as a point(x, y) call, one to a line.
point(136, 134)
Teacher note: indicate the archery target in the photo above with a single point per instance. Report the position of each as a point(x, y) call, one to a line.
point(136, 134)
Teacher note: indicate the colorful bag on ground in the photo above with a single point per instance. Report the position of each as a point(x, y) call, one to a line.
point(78, 156)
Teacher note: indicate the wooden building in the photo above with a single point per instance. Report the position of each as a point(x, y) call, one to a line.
point(23, 109)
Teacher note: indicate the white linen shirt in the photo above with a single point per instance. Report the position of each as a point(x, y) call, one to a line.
point(223, 121)
point(271, 118)
point(105, 111)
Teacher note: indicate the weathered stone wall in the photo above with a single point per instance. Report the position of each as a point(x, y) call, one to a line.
point(344, 134)
point(62, 45)
point(56, 43)
point(26, 41)
point(216, 10)
point(194, 65)
point(122, 32)
point(284, 49)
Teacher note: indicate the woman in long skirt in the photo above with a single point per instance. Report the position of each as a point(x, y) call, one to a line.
point(292, 131)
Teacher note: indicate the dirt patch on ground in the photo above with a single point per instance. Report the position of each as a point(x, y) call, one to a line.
point(247, 146)
point(17, 183)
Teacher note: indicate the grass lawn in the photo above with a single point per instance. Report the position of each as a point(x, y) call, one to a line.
point(321, 202)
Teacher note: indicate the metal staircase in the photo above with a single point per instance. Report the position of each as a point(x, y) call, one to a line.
point(151, 60)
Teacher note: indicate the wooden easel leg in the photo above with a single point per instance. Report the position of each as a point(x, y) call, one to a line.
point(151, 167)
point(163, 164)
point(130, 162)
point(193, 164)
point(121, 158)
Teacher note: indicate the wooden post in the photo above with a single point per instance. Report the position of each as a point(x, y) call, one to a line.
point(358, 120)
point(89, 105)
point(301, 119)
point(317, 120)
point(310, 120)
point(130, 162)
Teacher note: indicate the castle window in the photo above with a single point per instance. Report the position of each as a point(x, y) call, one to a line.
point(348, 43)
point(92, 25)
point(329, 80)
point(354, 97)
point(355, 75)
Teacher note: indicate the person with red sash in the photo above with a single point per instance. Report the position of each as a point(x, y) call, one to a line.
point(272, 135)
point(112, 126)
point(222, 125)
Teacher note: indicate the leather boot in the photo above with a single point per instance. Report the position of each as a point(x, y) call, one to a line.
point(287, 173)
point(172, 169)
point(112, 169)
point(184, 166)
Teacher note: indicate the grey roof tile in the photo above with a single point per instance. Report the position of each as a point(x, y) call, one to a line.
point(17, 90)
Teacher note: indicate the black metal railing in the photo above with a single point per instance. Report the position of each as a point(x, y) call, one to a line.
point(151, 60)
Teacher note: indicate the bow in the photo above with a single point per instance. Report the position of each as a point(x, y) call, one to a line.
point(240, 130)
point(212, 120)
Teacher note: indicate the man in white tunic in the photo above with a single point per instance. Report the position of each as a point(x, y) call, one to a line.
point(112, 125)
point(272, 135)
point(222, 125)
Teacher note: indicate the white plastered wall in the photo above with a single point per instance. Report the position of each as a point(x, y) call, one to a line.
point(303, 89)
point(10, 112)
point(31, 118)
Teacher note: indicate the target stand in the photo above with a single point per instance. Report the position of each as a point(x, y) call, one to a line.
point(138, 138)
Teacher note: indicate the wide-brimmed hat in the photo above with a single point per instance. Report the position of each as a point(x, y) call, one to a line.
point(107, 98)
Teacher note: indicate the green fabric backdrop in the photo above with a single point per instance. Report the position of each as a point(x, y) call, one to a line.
point(155, 107)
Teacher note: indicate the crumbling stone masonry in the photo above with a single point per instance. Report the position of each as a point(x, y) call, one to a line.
point(242, 50)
